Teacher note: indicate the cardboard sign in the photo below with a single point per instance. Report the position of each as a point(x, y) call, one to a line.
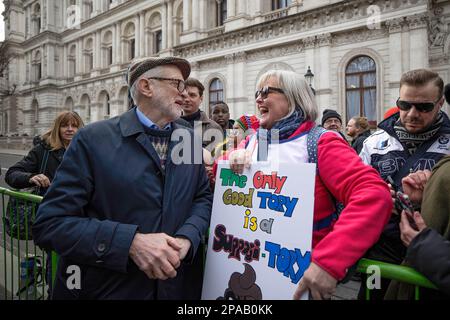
point(261, 232)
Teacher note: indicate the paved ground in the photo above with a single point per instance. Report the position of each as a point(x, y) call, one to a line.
point(347, 291)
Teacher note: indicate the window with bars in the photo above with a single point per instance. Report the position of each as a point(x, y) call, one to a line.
point(361, 89)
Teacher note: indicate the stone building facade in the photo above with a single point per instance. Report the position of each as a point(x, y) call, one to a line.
point(73, 54)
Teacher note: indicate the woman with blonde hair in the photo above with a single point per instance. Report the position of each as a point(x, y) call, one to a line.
point(287, 104)
point(38, 168)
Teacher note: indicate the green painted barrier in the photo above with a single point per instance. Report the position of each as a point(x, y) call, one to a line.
point(396, 272)
point(24, 265)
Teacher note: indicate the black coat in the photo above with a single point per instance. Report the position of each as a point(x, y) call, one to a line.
point(109, 185)
point(18, 176)
point(357, 143)
point(429, 253)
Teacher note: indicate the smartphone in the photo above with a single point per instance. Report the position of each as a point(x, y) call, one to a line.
point(406, 205)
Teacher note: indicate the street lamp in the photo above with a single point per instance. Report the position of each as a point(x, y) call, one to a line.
point(309, 76)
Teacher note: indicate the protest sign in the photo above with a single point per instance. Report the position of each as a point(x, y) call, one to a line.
point(260, 233)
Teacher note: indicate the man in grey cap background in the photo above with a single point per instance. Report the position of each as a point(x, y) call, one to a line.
point(118, 213)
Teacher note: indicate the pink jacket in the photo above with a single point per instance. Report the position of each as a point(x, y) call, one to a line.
point(366, 197)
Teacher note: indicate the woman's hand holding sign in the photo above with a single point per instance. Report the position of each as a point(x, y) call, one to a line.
point(320, 284)
point(239, 160)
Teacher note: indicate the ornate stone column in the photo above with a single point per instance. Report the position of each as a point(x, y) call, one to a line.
point(322, 71)
point(396, 48)
point(169, 22)
point(418, 41)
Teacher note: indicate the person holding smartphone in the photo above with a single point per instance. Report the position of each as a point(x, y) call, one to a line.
point(428, 238)
point(415, 138)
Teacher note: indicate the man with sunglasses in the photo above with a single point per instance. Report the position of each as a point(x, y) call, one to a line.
point(122, 208)
point(413, 139)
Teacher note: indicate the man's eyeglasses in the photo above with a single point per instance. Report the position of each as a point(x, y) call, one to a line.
point(264, 92)
point(180, 85)
point(420, 106)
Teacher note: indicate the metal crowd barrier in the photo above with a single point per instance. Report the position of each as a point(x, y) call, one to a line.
point(23, 265)
point(395, 272)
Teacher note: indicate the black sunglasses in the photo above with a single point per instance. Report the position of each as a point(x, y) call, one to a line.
point(264, 92)
point(420, 106)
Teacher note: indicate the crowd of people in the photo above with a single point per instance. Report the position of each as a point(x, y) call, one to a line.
point(120, 204)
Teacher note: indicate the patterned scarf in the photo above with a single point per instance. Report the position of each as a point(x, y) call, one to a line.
point(414, 140)
point(285, 129)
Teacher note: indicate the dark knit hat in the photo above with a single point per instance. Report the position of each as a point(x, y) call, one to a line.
point(447, 93)
point(140, 67)
point(328, 113)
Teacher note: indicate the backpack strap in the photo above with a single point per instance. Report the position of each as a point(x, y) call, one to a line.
point(312, 141)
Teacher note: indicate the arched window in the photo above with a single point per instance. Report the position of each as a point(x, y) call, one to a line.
point(154, 33)
point(69, 104)
point(129, 43)
point(215, 92)
point(107, 49)
point(37, 19)
point(361, 89)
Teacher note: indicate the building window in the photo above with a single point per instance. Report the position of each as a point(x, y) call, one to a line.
point(361, 89)
point(108, 106)
point(35, 110)
point(91, 61)
point(158, 41)
point(221, 12)
point(132, 49)
point(39, 71)
point(109, 56)
point(37, 19)
point(215, 92)
point(279, 4)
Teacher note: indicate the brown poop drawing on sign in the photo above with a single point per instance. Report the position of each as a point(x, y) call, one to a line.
point(243, 286)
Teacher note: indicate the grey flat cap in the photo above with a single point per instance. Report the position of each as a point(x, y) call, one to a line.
point(138, 68)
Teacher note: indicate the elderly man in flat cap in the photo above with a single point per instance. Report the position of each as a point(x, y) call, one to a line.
point(125, 220)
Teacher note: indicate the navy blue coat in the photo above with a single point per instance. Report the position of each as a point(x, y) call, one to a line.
point(109, 186)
